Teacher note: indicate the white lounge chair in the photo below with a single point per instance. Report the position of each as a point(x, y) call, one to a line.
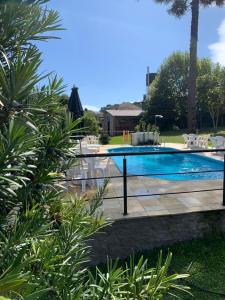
point(218, 142)
point(192, 141)
point(91, 139)
point(102, 166)
point(89, 148)
point(185, 137)
point(156, 138)
point(78, 174)
point(203, 142)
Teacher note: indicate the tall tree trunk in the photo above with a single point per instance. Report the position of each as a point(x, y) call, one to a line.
point(193, 67)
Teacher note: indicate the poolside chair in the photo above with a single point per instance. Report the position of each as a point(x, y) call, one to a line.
point(102, 166)
point(192, 141)
point(203, 142)
point(94, 139)
point(218, 142)
point(156, 138)
point(185, 137)
point(76, 173)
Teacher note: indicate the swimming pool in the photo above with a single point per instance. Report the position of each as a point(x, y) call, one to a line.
point(168, 163)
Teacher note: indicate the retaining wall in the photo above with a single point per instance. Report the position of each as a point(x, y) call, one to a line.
point(126, 236)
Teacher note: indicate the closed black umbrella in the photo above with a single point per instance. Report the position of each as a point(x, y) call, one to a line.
point(74, 104)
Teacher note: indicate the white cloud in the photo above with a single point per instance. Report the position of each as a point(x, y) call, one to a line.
point(90, 107)
point(218, 49)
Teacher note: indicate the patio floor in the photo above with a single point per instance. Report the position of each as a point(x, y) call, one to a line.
point(163, 204)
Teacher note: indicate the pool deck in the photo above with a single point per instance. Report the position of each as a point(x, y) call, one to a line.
point(160, 205)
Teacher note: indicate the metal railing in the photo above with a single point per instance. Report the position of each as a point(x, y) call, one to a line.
point(125, 175)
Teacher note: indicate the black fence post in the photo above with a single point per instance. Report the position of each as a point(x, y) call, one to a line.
point(124, 186)
point(224, 180)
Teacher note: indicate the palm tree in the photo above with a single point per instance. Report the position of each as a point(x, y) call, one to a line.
point(179, 8)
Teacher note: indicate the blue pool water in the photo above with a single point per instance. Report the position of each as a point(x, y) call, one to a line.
point(168, 163)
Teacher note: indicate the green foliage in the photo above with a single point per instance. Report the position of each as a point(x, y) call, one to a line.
point(137, 128)
point(211, 91)
point(135, 280)
point(180, 7)
point(142, 124)
point(168, 94)
point(23, 22)
point(104, 138)
point(90, 123)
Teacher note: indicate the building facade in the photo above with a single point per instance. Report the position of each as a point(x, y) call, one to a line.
point(125, 117)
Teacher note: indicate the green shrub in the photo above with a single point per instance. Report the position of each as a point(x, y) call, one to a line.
point(104, 138)
point(137, 128)
point(90, 123)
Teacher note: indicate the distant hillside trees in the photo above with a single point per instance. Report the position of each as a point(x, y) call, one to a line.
point(169, 91)
point(123, 105)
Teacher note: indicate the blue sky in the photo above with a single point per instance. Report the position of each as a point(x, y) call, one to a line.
point(108, 44)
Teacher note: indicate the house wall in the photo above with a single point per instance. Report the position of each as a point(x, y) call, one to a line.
point(125, 123)
point(118, 124)
point(108, 124)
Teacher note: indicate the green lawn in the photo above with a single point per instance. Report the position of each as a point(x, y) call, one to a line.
point(204, 260)
point(167, 136)
point(118, 140)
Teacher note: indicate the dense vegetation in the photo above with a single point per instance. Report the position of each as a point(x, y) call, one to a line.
point(43, 232)
point(90, 123)
point(168, 93)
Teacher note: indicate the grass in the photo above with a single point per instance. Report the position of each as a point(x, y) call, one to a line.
point(168, 136)
point(118, 140)
point(204, 260)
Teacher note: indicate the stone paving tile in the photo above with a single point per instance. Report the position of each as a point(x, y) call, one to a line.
point(190, 201)
point(169, 201)
point(150, 202)
point(158, 212)
point(135, 206)
point(154, 208)
point(211, 200)
point(111, 204)
point(174, 211)
point(216, 206)
point(135, 214)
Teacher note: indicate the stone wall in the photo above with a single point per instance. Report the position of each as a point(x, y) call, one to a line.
point(126, 236)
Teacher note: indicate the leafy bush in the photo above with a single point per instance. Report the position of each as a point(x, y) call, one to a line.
point(90, 123)
point(135, 280)
point(104, 138)
point(137, 128)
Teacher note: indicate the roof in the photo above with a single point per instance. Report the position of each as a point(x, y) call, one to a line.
point(127, 106)
point(125, 112)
